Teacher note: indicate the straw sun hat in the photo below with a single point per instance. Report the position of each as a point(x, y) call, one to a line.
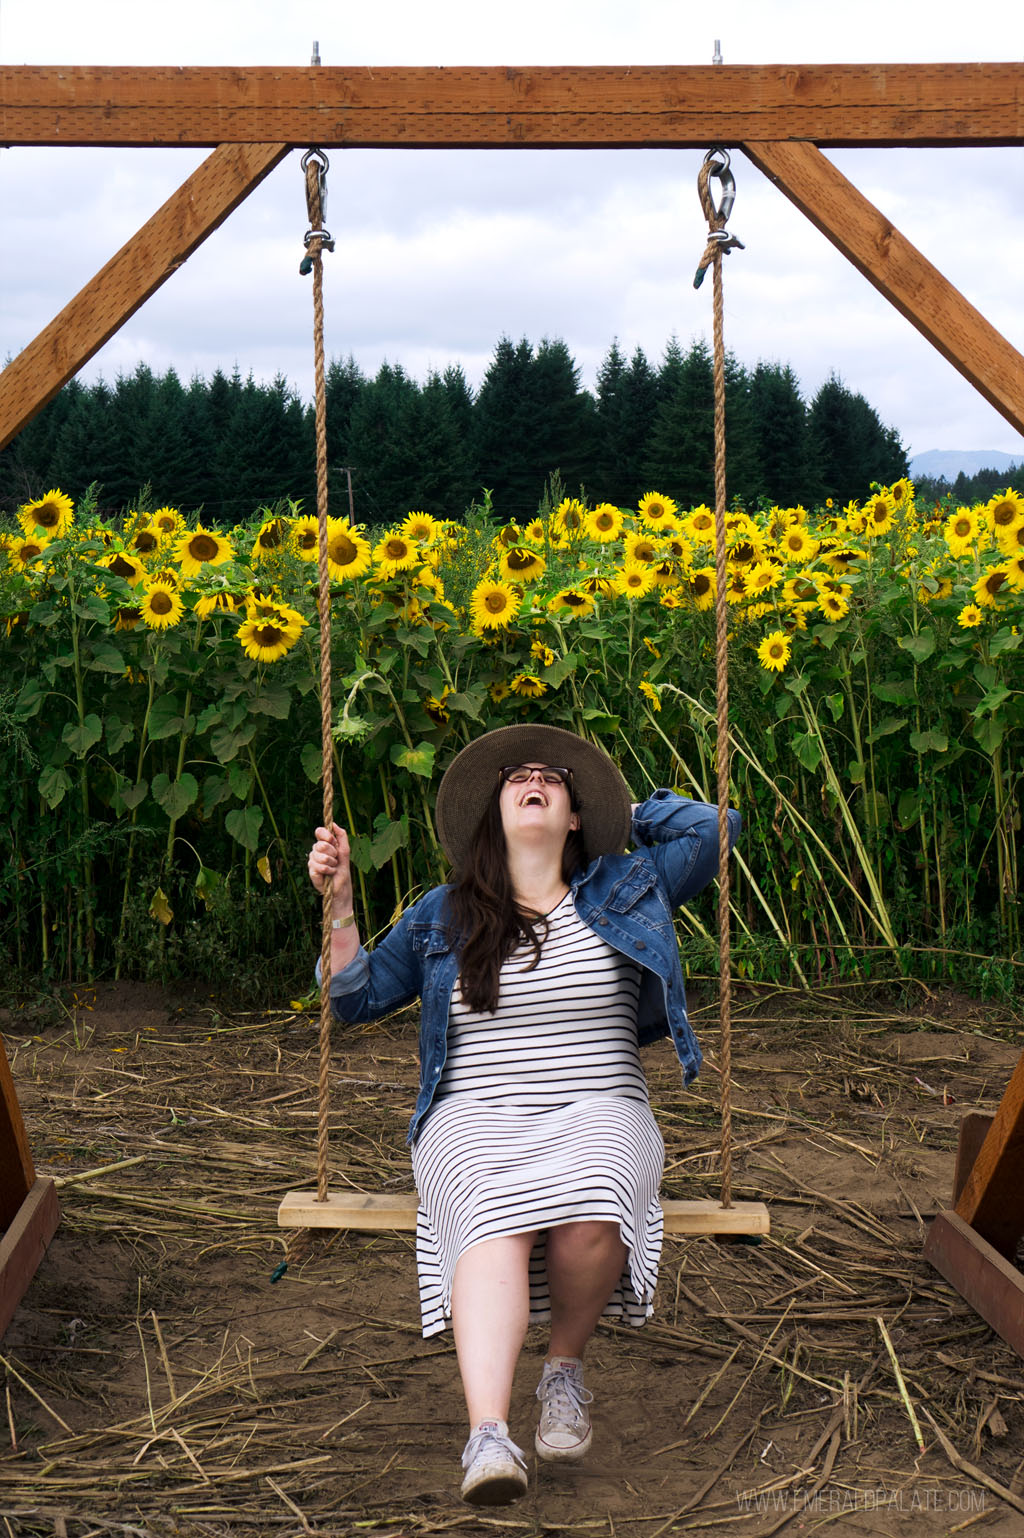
point(472, 776)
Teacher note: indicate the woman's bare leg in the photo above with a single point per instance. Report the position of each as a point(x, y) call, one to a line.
point(490, 1314)
point(584, 1262)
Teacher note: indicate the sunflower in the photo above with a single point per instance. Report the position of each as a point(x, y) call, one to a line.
point(902, 492)
point(797, 545)
point(272, 537)
point(604, 523)
point(199, 548)
point(670, 599)
point(969, 616)
point(1011, 540)
point(736, 590)
point(634, 579)
point(436, 707)
point(21, 551)
point(568, 522)
point(499, 691)
point(962, 530)
point(348, 553)
point(1015, 573)
point(520, 563)
point(124, 565)
point(701, 525)
point(528, 685)
point(879, 512)
point(146, 541)
point(427, 578)
point(600, 587)
point(832, 605)
point(266, 640)
point(799, 590)
point(216, 603)
point(162, 606)
point(535, 531)
point(763, 577)
point(1005, 511)
point(127, 619)
point(421, 528)
point(576, 602)
point(641, 547)
point(166, 520)
point(658, 512)
point(395, 553)
point(54, 514)
point(666, 573)
point(703, 585)
point(774, 651)
point(986, 589)
point(650, 693)
point(542, 654)
point(305, 536)
point(493, 605)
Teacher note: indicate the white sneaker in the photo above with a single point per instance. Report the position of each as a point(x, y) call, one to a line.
point(495, 1467)
point(564, 1431)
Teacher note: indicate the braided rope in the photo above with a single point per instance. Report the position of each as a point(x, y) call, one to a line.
point(315, 256)
point(712, 257)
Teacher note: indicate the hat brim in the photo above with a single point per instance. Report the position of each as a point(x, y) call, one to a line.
point(471, 777)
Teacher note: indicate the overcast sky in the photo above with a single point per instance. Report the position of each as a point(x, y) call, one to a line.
point(441, 252)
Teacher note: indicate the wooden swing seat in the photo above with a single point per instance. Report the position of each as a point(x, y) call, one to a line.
point(374, 1211)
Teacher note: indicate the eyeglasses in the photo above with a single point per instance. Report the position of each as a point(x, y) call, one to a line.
point(518, 774)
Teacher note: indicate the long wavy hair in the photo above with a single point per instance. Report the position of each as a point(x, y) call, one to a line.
point(485, 917)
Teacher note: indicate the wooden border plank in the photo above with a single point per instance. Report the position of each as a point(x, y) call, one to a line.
point(974, 1127)
point(898, 270)
point(24, 1245)
point(17, 1172)
point(983, 1278)
point(135, 272)
point(540, 107)
point(373, 1211)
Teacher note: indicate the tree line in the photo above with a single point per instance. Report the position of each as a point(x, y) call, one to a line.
point(229, 445)
point(968, 489)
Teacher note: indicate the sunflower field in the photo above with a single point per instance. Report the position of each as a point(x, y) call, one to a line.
point(161, 720)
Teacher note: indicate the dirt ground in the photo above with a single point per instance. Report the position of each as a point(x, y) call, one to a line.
point(158, 1381)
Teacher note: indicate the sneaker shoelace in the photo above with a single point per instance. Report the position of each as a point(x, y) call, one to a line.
point(562, 1393)
point(481, 1442)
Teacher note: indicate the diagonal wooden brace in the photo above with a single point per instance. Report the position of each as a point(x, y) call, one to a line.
point(898, 270)
point(159, 248)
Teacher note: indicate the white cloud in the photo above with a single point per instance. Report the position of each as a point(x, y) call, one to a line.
point(439, 253)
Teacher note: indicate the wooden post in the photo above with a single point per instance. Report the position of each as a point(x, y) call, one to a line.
point(28, 1206)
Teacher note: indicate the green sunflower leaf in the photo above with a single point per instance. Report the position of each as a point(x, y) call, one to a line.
point(175, 796)
point(244, 824)
point(928, 742)
point(54, 784)
point(417, 760)
point(919, 646)
point(84, 736)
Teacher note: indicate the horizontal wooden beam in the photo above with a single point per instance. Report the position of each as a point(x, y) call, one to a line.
point(899, 271)
point(378, 1210)
point(677, 106)
point(159, 248)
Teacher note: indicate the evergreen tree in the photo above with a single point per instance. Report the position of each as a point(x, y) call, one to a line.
point(384, 450)
point(680, 458)
point(850, 447)
point(503, 431)
point(779, 425)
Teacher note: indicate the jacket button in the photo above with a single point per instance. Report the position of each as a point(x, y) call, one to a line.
point(602, 920)
point(640, 945)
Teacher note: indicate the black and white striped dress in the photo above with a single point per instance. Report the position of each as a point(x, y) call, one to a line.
point(541, 1118)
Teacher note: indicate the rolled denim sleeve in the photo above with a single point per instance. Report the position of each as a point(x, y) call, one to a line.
point(375, 983)
point(682, 836)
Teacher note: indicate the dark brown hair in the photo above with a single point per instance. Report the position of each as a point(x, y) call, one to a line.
point(485, 917)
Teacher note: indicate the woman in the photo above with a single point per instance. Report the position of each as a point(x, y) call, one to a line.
point(542, 967)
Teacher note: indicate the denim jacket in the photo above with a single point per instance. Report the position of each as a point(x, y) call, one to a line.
point(628, 899)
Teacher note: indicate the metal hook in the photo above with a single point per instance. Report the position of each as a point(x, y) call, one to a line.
point(718, 161)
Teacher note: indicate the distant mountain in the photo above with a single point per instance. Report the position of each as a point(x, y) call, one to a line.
point(939, 464)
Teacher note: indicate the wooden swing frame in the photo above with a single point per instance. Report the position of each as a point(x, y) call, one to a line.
point(780, 115)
